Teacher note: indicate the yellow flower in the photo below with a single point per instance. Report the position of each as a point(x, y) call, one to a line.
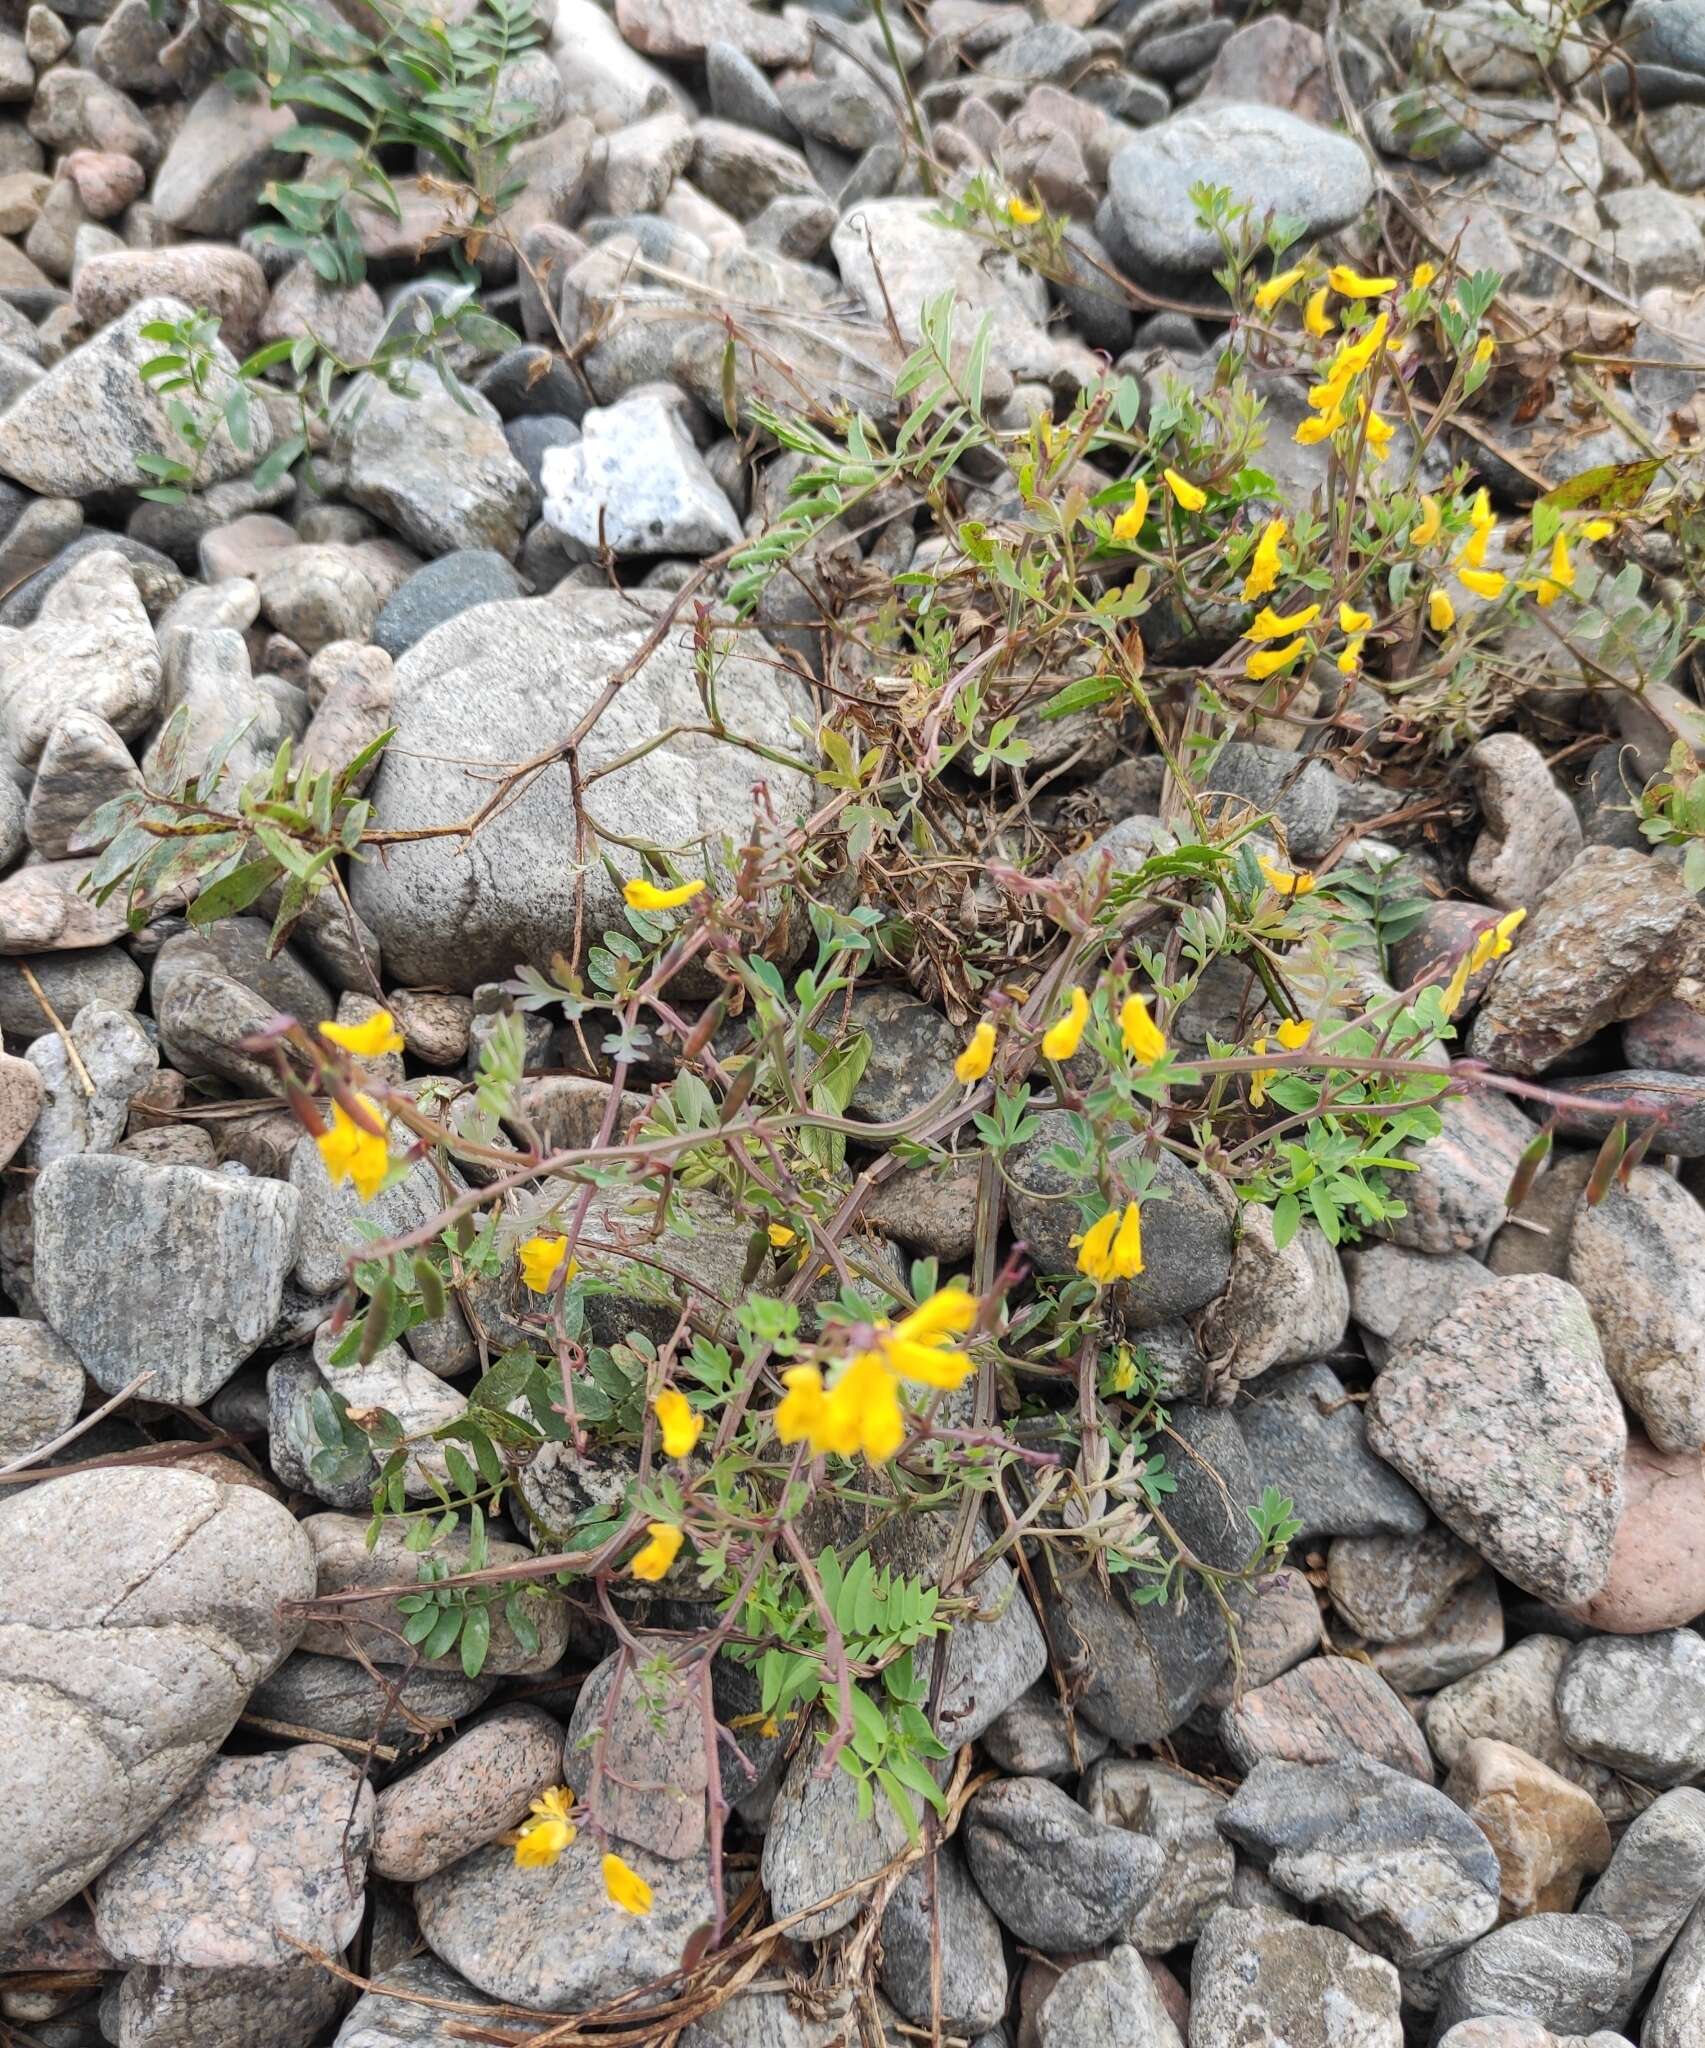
point(653, 1559)
point(626, 1888)
point(780, 1236)
point(1329, 395)
point(1353, 357)
point(799, 1413)
point(1483, 582)
point(1276, 287)
point(1480, 518)
point(1130, 522)
point(1143, 1038)
point(1424, 275)
point(1269, 625)
point(1259, 1078)
point(1427, 532)
point(355, 1155)
point(1441, 613)
point(1314, 313)
point(541, 1258)
point(1188, 494)
point(1483, 351)
point(1112, 1247)
point(378, 1034)
point(1264, 563)
point(1350, 655)
point(1494, 943)
point(973, 1063)
point(1285, 881)
point(1021, 213)
point(681, 1427)
point(1380, 434)
point(1352, 285)
point(643, 895)
point(1269, 661)
point(1457, 987)
point(1598, 529)
point(541, 1839)
point(918, 1347)
point(1562, 569)
point(1294, 1033)
point(1319, 428)
point(1063, 1037)
point(862, 1412)
point(1352, 621)
point(1122, 1373)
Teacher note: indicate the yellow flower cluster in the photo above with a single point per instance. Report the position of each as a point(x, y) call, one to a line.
point(541, 1259)
point(355, 1155)
point(1330, 398)
point(378, 1034)
point(548, 1831)
point(1492, 944)
point(1112, 1247)
point(861, 1411)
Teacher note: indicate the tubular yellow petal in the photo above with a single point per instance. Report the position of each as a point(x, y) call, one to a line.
point(1063, 1038)
point(680, 1426)
point(1285, 881)
point(1350, 284)
point(625, 1887)
point(541, 1259)
point(1095, 1249)
point(1352, 621)
point(1276, 287)
point(1142, 1036)
point(1126, 1256)
point(1264, 564)
point(1427, 531)
point(974, 1062)
point(1314, 313)
point(1483, 582)
point(1294, 1033)
point(949, 1312)
point(643, 895)
point(367, 1040)
point(654, 1558)
point(1269, 625)
point(1190, 496)
point(1269, 661)
point(1441, 613)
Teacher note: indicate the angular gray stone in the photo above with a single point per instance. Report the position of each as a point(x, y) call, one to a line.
point(1454, 1199)
point(1259, 1977)
point(1504, 1420)
point(438, 592)
point(1327, 1708)
point(117, 1057)
point(1637, 1704)
point(1265, 155)
point(1638, 1258)
point(89, 649)
point(100, 974)
point(440, 2005)
point(213, 988)
point(1181, 1813)
point(650, 1739)
point(167, 1269)
point(258, 2008)
point(1655, 1879)
point(219, 161)
point(552, 1937)
point(973, 1977)
point(1677, 2011)
point(817, 1843)
point(1057, 1878)
point(1111, 2004)
point(1280, 1307)
point(486, 687)
point(1306, 1438)
point(635, 483)
point(82, 428)
point(1030, 1740)
point(1530, 831)
point(139, 1610)
point(466, 1794)
point(1569, 1971)
point(334, 1696)
point(41, 1387)
point(262, 1853)
point(1397, 1858)
point(84, 764)
point(993, 1656)
point(436, 468)
point(1390, 1587)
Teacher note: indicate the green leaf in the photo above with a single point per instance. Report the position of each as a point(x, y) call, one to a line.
point(444, 1633)
point(233, 892)
point(476, 1640)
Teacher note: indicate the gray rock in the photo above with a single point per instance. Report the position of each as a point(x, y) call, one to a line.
point(1637, 1703)
point(529, 438)
point(1454, 1200)
point(1301, 791)
point(82, 428)
point(41, 1387)
point(744, 171)
point(206, 275)
point(188, 1576)
point(1057, 1879)
point(21, 1093)
point(1667, 32)
point(741, 94)
point(1181, 1813)
point(263, 2008)
point(912, 1050)
point(1513, 1700)
point(341, 1477)
point(1265, 155)
point(973, 1980)
point(1638, 1258)
point(634, 483)
point(1677, 2011)
point(1611, 937)
point(551, 1937)
point(219, 161)
point(1569, 1971)
point(215, 1250)
point(213, 988)
point(334, 1696)
point(1111, 2004)
point(1655, 1878)
point(420, 1401)
point(1030, 1739)
point(314, 594)
point(117, 1056)
point(45, 906)
point(73, 109)
point(1281, 1305)
point(993, 1657)
point(1279, 1629)
point(817, 1843)
point(435, 468)
point(1260, 1977)
point(1327, 1708)
point(159, 582)
point(385, 2018)
point(1467, 1632)
point(442, 589)
point(90, 649)
point(649, 1744)
point(1397, 1858)
point(484, 687)
point(304, 1819)
point(466, 1794)
point(84, 764)
point(1504, 1420)
point(1396, 1294)
point(101, 974)
point(1530, 832)
point(1306, 1437)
